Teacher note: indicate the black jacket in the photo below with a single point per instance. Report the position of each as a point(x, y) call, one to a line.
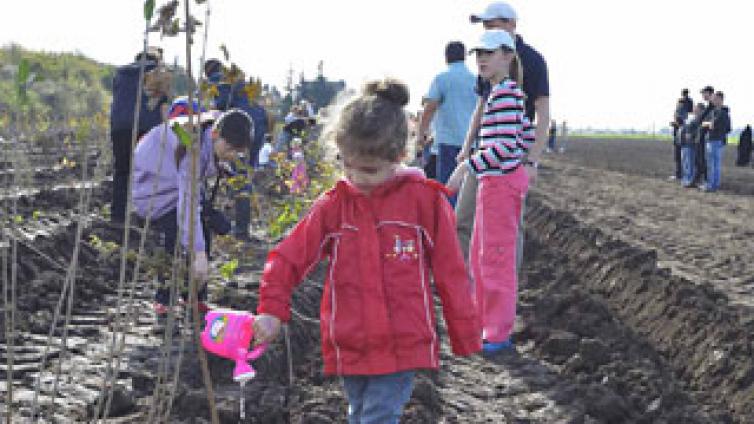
point(707, 116)
point(689, 134)
point(720, 124)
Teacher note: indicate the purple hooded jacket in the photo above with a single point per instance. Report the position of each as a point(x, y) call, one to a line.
point(154, 163)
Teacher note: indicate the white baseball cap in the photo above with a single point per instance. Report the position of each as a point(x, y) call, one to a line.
point(493, 39)
point(496, 10)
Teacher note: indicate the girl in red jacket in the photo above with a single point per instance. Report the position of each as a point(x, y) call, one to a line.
point(383, 228)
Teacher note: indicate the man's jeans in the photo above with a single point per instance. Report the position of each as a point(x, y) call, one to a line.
point(688, 158)
point(446, 163)
point(714, 163)
point(377, 399)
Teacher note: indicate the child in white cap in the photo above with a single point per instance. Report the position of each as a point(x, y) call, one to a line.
point(505, 136)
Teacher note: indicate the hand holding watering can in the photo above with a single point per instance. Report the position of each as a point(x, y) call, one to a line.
point(266, 328)
point(229, 334)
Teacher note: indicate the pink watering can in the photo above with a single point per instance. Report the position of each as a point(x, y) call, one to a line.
point(228, 334)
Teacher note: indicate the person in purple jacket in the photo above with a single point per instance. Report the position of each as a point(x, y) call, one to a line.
point(162, 183)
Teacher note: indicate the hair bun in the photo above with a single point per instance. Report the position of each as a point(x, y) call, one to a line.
point(389, 89)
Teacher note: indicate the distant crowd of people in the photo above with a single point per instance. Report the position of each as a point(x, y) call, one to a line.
point(700, 134)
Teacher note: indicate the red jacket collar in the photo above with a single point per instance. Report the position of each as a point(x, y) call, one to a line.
point(404, 174)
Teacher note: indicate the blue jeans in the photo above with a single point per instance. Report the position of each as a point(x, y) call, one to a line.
point(688, 164)
point(377, 399)
point(446, 163)
point(714, 150)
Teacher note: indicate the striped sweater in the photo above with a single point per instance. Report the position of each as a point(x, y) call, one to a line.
point(505, 135)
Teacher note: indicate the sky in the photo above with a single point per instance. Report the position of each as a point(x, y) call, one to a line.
point(612, 64)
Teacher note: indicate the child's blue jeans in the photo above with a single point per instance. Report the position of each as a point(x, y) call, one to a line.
point(378, 399)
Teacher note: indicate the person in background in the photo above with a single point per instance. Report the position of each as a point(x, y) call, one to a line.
point(265, 161)
point(500, 15)
point(162, 184)
point(383, 228)
point(682, 109)
point(688, 138)
point(154, 96)
point(500, 165)
point(718, 127)
point(448, 105)
point(744, 147)
point(701, 155)
point(213, 71)
point(563, 136)
point(551, 140)
point(242, 201)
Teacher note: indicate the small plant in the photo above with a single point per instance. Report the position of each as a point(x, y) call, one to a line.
point(106, 249)
point(228, 269)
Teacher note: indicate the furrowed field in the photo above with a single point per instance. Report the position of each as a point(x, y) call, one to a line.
point(635, 306)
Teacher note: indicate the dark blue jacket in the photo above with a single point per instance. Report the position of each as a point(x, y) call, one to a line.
point(125, 87)
point(720, 124)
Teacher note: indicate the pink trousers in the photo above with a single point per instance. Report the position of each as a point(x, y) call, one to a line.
point(493, 251)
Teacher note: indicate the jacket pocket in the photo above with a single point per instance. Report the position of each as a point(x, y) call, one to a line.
point(407, 285)
point(344, 324)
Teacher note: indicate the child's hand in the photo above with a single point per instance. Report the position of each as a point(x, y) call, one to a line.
point(456, 178)
point(266, 328)
point(462, 155)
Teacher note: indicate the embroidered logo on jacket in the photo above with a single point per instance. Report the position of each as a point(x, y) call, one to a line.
point(403, 250)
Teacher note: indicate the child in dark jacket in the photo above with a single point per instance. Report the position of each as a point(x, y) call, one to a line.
point(383, 228)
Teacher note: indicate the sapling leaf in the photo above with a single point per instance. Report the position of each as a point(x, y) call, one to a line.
point(228, 269)
point(224, 49)
point(183, 136)
point(148, 10)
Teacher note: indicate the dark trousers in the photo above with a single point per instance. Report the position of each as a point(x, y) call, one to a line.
point(242, 203)
point(121, 167)
point(701, 162)
point(429, 162)
point(167, 227)
point(677, 153)
point(446, 163)
point(744, 152)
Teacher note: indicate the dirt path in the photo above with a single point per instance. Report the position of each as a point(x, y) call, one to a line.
point(704, 237)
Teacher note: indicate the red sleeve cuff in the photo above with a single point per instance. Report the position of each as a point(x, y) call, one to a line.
point(277, 309)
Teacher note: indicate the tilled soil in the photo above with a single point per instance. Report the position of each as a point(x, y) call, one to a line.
point(634, 308)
